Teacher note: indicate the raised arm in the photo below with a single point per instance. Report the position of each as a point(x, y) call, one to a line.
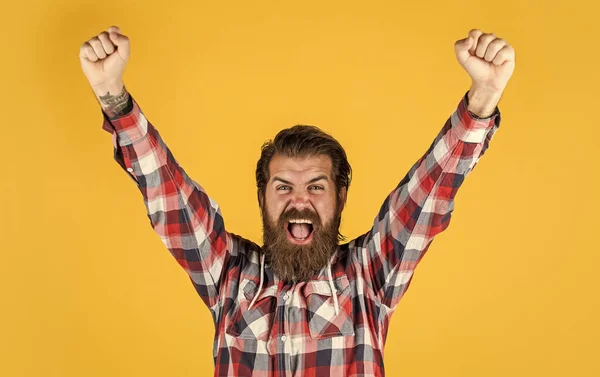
point(186, 219)
point(420, 207)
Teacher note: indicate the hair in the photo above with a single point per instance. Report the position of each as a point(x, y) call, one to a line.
point(304, 141)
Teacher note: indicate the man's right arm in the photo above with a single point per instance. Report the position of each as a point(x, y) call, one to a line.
point(186, 219)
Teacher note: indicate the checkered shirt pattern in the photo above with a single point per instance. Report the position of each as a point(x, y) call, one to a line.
point(293, 329)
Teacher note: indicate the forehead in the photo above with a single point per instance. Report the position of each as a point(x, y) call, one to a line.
point(298, 168)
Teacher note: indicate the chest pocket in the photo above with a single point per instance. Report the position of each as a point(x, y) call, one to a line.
point(323, 322)
point(254, 323)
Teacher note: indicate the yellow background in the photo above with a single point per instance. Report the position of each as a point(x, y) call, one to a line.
point(88, 289)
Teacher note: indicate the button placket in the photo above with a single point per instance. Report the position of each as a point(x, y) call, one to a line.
point(285, 340)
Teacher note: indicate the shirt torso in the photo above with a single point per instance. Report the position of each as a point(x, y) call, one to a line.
point(294, 329)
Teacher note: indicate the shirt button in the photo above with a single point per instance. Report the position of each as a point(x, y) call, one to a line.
point(129, 170)
point(283, 338)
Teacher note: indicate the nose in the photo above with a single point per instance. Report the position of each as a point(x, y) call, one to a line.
point(300, 200)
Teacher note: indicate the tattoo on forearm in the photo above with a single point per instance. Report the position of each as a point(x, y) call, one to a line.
point(116, 105)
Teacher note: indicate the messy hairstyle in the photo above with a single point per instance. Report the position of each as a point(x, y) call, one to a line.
point(304, 141)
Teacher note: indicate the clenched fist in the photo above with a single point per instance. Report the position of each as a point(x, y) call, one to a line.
point(104, 57)
point(490, 61)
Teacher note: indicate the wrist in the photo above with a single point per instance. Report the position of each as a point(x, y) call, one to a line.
point(483, 101)
point(114, 99)
point(113, 88)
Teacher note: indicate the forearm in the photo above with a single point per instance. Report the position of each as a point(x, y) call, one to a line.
point(482, 102)
point(114, 99)
point(186, 219)
point(420, 207)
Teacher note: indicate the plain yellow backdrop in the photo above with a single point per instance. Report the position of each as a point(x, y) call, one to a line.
point(509, 289)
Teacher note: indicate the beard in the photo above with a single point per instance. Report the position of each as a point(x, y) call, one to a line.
point(292, 262)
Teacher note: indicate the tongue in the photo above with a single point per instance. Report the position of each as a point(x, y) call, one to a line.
point(300, 230)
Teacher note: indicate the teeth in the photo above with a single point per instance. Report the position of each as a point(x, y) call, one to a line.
point(301, 221)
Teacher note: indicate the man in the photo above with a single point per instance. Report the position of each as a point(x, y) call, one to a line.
point(302, 304)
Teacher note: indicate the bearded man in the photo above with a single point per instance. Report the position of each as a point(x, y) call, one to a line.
point(303, 303)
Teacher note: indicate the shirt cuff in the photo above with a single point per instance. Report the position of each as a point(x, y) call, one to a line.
point(129, 128)
point(470, 128)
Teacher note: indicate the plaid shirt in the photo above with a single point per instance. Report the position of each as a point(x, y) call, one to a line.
point(293, 329)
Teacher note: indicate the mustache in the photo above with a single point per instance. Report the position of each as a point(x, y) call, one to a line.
point(294, 213)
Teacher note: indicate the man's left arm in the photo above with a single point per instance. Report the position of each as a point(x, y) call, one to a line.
point(420, 206)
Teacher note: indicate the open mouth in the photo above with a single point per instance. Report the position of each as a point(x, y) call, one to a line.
point(300, 231)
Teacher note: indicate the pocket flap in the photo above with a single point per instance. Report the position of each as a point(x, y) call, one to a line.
point(250, 290)
point(321, 287)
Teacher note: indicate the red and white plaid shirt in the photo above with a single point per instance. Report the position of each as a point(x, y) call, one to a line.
point(301, 329)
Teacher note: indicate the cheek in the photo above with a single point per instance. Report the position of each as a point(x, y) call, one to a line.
point(274, 207)
point(325, 207)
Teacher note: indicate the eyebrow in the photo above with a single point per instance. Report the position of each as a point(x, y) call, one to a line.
point(315, 179)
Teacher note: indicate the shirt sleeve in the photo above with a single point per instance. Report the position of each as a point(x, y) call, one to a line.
point(421, 205)
point(185, 218)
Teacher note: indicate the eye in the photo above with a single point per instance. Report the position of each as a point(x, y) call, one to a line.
point(283, 187)
point(317, 187)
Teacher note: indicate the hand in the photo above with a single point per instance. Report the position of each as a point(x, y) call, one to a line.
point(104, 57)
point(490, 61)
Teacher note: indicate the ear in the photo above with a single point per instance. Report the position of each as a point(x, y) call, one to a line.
point(342, 197)
point(260, 199)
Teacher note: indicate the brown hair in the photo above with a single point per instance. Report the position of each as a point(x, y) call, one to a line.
point(302, 141)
